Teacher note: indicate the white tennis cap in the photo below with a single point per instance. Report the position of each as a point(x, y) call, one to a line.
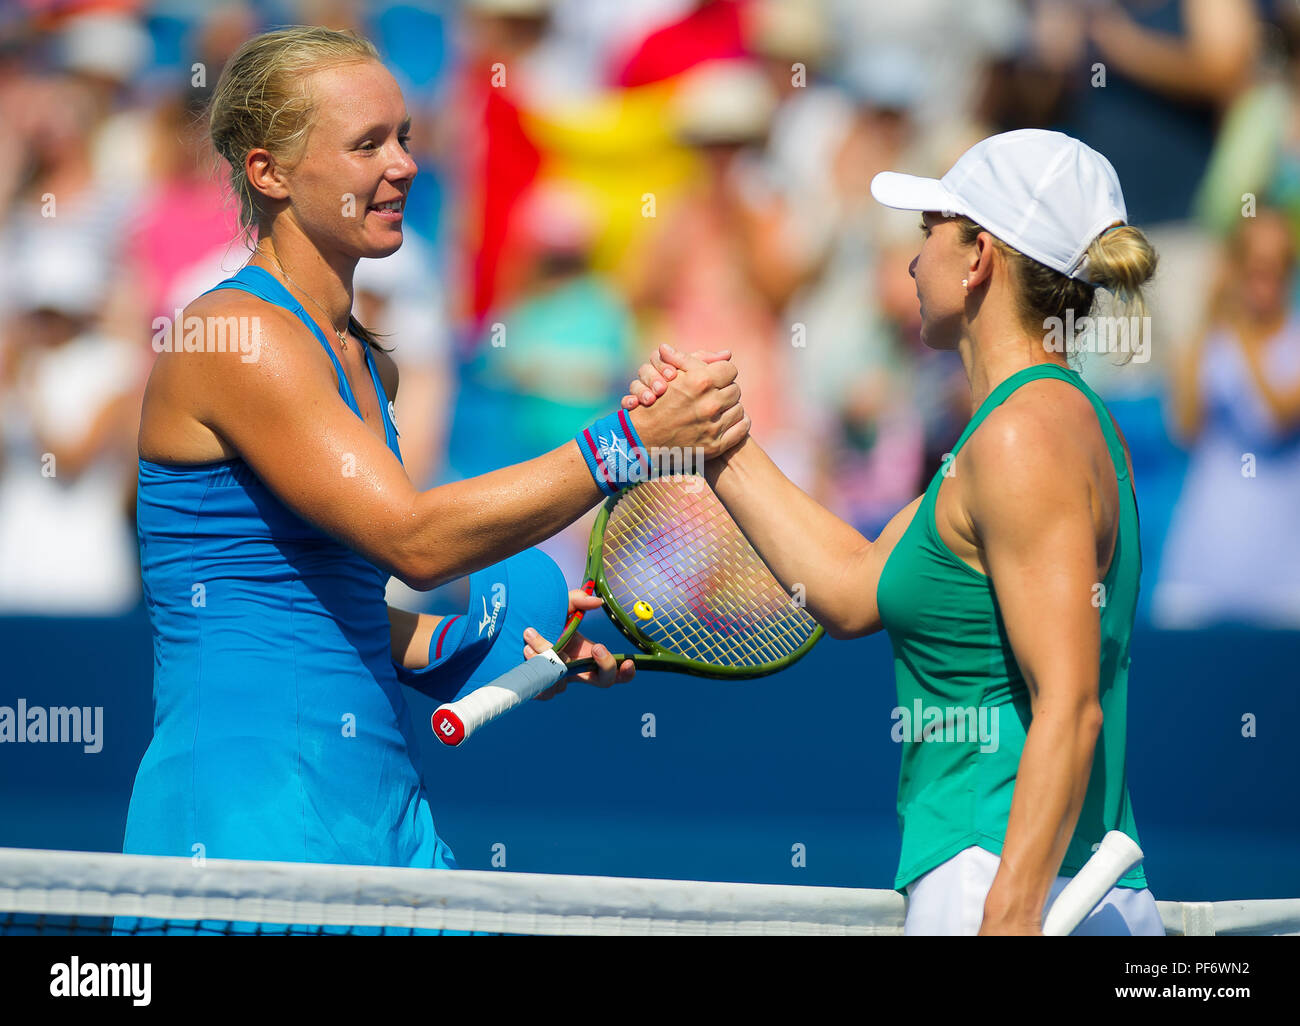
point(1042, 193)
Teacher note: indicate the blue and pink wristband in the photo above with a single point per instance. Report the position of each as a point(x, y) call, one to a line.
point(613, 452)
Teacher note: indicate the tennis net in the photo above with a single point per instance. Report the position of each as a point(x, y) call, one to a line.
point(54, 892)
point(81, 893)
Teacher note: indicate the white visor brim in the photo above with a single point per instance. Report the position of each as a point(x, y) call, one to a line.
point(908, 192)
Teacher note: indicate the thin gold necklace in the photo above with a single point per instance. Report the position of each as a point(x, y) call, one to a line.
point(342, 341)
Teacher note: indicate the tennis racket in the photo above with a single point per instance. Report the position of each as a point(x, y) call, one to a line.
point(681, 583)
point(1115, 856)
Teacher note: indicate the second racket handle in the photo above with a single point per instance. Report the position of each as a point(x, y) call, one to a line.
point(456, 721)
point(1115, 856)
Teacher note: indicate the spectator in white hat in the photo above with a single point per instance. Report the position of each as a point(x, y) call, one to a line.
point(102, 52)
point(71, 400)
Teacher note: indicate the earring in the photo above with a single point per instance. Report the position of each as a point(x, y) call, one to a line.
point(964, 282)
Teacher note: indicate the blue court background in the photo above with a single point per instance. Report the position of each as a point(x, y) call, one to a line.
point(736, 774)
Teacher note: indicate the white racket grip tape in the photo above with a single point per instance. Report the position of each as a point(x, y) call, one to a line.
point(454, 722)
point(1117, 854)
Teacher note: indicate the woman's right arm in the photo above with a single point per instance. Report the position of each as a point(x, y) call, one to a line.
point(282, 414)
point(807, 547)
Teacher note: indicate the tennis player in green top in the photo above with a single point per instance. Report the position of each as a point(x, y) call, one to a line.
point(1009, 588)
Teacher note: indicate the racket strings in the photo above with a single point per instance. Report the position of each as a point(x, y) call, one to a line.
point(720, 628)
point(683, 623)
point(671, 545)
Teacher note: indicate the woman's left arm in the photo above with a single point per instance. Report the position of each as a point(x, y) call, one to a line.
point(411, 635)
point(1026, 487)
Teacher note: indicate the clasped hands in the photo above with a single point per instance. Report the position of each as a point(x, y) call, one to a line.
point(678, 400)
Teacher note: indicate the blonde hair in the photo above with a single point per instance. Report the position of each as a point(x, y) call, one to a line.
point(1120, 260)
point(261, 102)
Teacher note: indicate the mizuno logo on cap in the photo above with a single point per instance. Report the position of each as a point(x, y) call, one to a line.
point(489, 621)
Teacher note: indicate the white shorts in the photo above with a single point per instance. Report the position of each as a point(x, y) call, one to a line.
point(949, 901)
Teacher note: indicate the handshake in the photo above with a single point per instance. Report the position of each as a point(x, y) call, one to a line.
point(687, 403)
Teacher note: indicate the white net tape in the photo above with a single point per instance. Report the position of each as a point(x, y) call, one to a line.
point(90, 885)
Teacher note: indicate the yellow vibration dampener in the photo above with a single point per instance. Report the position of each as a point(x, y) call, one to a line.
point(643, 611)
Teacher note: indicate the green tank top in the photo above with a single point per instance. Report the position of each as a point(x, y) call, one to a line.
point(963, 706)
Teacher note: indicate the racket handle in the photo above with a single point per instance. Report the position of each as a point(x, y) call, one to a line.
point(1117, 854)
point(454, 722)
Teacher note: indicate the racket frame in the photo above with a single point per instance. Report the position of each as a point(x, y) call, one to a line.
point(651, 654)
point(489, 701)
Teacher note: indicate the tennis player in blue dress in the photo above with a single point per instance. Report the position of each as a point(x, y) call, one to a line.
point(273, 505)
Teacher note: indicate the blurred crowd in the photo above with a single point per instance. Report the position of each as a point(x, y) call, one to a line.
point(598, 176)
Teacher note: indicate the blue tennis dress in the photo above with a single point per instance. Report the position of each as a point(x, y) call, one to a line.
point(280, 730)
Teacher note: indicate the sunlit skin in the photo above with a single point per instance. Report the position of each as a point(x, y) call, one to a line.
point(978, 319)
point(357, 158)
point(282, 413)
point(1032, 503)
point(938, 269)
point(321, 215)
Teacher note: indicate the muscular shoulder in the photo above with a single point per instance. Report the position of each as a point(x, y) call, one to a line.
point(1047, 418)
point(1042, 441)
point(230, 356)
point(229, 341)
point(257, 314)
